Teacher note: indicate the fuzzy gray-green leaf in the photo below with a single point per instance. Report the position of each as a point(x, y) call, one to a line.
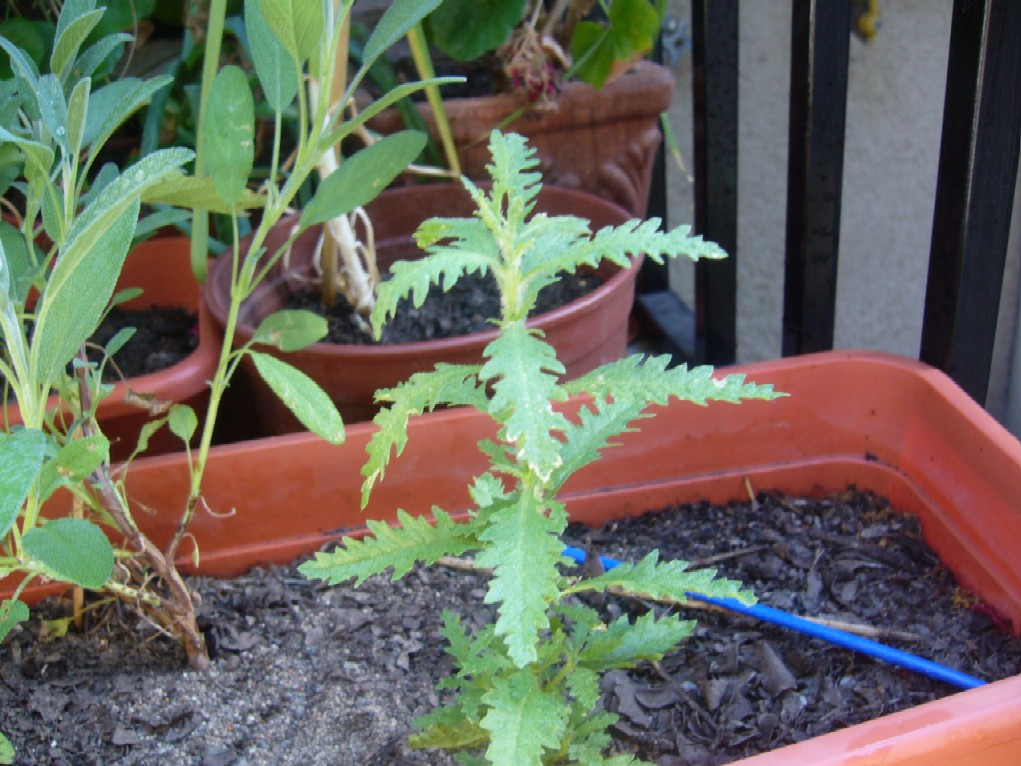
point(71, 550)
point(69, 41)
point(21, 456)
point(302, 396)
point(230, 137)
point(400, 16)
point(274, 66)
point(362, 176)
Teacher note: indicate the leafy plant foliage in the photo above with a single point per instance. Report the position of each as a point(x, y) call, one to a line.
point(525, 687)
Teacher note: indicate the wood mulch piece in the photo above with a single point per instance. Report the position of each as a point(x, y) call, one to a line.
point(312, 675)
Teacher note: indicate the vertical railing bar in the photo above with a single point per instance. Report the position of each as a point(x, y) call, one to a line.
point(715, 91)
point(974, 191)
point(820, 49)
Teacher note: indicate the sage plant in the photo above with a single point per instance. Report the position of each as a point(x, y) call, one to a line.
point(526, 687)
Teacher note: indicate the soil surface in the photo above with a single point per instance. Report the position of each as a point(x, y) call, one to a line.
point(461, 310)
point(163, 337)
point(312, 675)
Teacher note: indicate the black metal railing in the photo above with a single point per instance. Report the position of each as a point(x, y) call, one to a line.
point(974, 196)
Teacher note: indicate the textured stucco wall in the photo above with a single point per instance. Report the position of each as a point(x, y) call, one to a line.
point(894, 116)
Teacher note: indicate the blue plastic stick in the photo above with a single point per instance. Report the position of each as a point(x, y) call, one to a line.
point(839, 637)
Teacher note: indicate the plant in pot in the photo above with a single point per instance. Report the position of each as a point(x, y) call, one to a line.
point(527, 685)
point(53, 120)
point(571, 80)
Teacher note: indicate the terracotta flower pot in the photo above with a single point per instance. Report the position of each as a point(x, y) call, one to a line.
point(161, 268)
point(601, 141)
point(587, 332)
point(888, 425)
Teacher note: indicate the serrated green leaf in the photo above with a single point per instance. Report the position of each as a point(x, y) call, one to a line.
point(11, 613)
point(449, 384)
point(276, 69)
point(230, 137)
point(453, 734)
point(646, 380)
point(399, 18)
point(6, 748)
point(413, 278)
point(182, 422)
point(597, 425)
point(362, 176)
point(415, 540)
point(522, 548)
point(522, 370)
point(69, 39)
point(297, 24)
point(465, 29)
point(302, 396)
point(623, 643)
point(664, 580)
point(71, 550)
point(21, 457)
point(291, 330)
point(523, 721)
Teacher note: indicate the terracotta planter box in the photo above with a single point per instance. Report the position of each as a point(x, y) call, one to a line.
point(586, 333)
point(600, 141)
point(888, 425)
point(161, 268)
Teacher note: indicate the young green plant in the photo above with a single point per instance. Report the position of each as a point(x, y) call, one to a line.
point(526, 686)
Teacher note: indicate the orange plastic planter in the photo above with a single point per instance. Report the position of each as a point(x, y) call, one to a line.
point(161, 267)
point(885, 424)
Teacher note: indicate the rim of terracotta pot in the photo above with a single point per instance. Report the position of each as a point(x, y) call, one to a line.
point(564, 198)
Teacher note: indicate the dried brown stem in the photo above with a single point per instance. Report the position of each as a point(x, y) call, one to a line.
point(176, 610)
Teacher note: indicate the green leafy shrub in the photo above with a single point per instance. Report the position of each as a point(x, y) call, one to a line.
point(526, 686)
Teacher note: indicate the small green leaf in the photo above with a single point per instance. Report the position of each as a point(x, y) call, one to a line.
point(21, 457)
point(6, 748)
point(71, 550)
point(303, 396)
point(297, 24)
point(291, 330)
point(11, 613)
point(99, 52)
point(182, 422)
point(275, 68)
point(196, 193)
point(230, 136)
point(123, 335)
point(362, 176)
point(111, 106)
point(80, 457)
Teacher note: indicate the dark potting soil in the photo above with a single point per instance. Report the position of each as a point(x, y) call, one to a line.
point(311, 675)
point(462, 310)
point(164, 335)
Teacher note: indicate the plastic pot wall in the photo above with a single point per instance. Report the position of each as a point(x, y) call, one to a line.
point(888, 425)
